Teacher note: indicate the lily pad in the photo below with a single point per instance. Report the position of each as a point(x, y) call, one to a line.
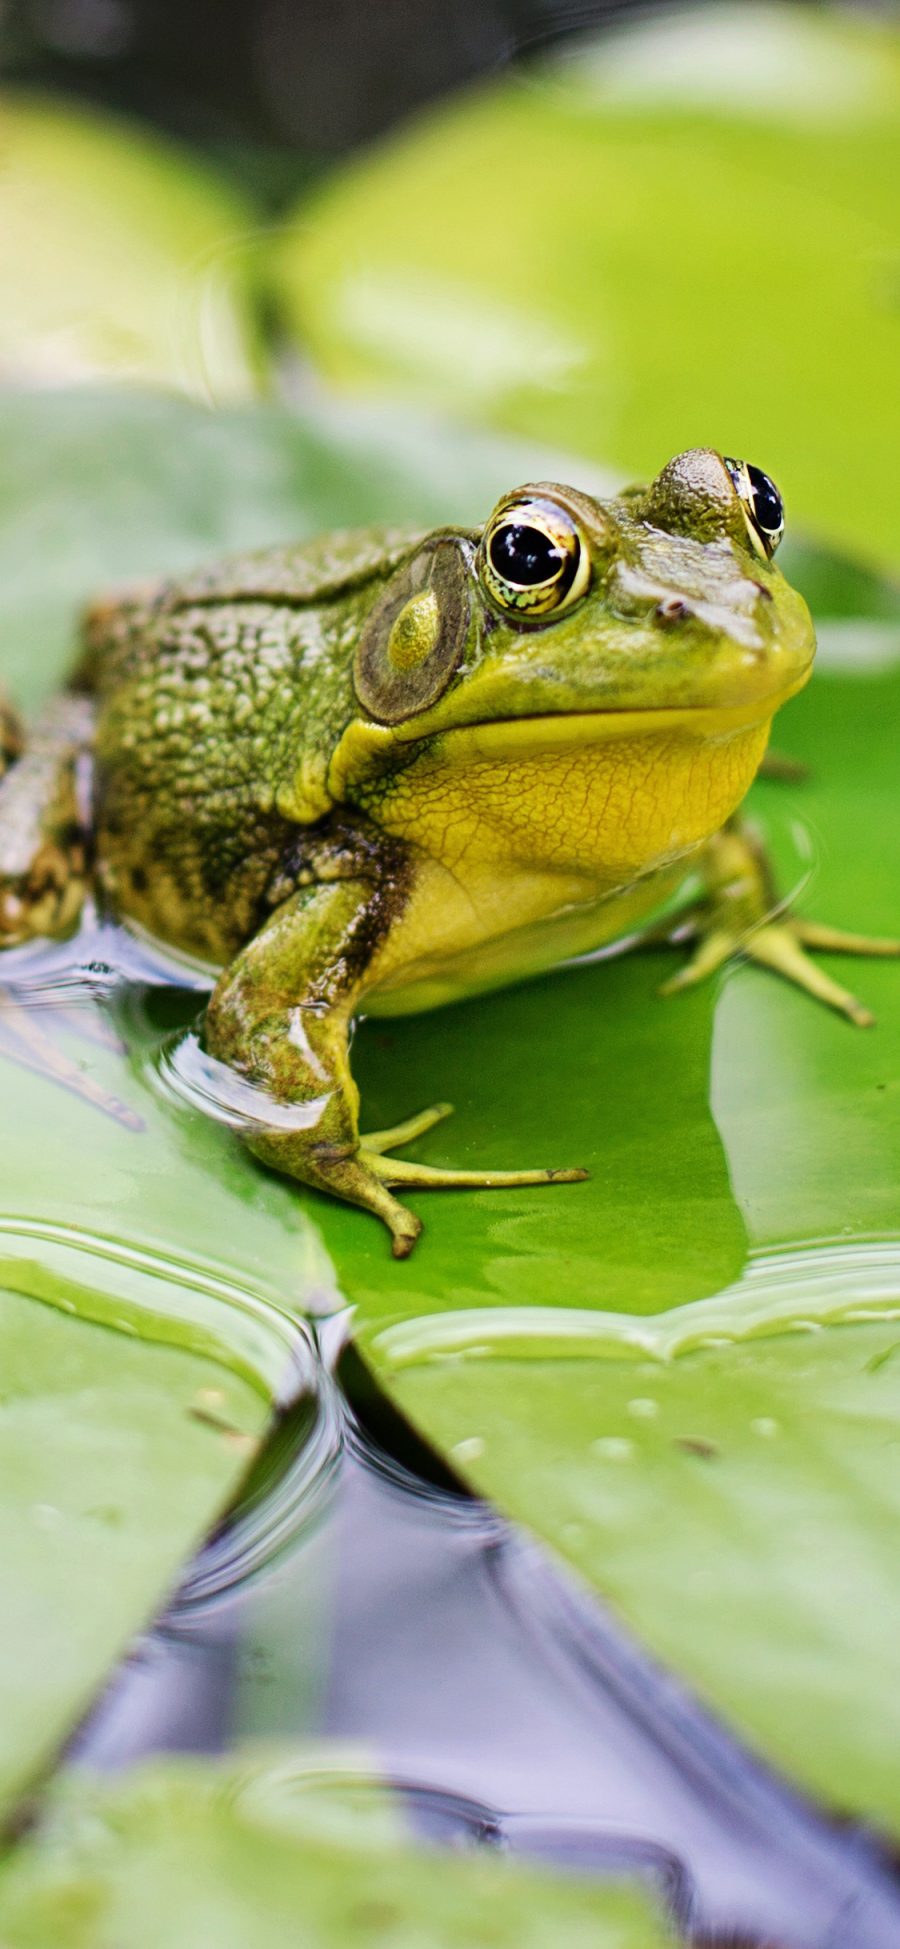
point(184, 1853)
point(115, 1456)
point(121, 257)
point(681, 233)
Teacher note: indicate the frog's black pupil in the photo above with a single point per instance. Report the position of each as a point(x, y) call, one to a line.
point(525, 555)
point(768, 508)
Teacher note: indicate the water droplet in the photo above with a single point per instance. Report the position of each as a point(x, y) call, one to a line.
point(613, 1448)
point(765, 1426)
point(573, 1533)
point(470, 1450)
point(643, 1408)
point(46, 1515)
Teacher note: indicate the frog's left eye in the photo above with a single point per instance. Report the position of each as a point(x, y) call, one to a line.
point(762, 505)
point(532, 559)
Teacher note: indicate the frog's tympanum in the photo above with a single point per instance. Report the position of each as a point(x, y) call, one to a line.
point(383, 770)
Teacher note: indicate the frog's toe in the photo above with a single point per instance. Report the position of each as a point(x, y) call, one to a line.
point(779, 945)
point(405, 1229)
point(429, 1177)
point(712, 952)
point(782, 946)
point(836, 940)
point(405, 1133)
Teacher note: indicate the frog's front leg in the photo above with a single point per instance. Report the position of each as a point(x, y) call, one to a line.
point(280, 1017)
point(43, 827)
point(740, 914)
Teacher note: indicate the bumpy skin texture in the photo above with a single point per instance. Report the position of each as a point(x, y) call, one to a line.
point(361, 773)
point(220, 699)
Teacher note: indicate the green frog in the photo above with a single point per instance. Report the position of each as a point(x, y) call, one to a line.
point(384, 770)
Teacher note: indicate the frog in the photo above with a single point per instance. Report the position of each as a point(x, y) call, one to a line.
point(392, 768)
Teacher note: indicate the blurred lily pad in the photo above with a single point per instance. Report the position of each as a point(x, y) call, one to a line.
point(682, 233)
point(188, 1853)
point(121, 257)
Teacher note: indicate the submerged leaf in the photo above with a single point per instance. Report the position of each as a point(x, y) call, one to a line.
point(110, 1474)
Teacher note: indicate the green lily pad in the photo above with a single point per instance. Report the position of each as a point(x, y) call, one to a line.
point(121, 258)
point(683, 233)
point(114, 1457)
point(184, 1853)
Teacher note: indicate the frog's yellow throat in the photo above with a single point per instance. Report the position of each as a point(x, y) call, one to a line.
point(538, 839)
point(609, 796)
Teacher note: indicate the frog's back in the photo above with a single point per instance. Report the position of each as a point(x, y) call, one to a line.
point(126, 629)
point(216, 691)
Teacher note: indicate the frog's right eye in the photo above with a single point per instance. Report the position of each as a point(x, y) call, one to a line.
point(762, 505)
point(532, 559)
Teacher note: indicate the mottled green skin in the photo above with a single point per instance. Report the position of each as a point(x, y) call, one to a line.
point(216, 695)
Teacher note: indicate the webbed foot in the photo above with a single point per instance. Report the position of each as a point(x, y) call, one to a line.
point(400, 1172)
point(740, 916)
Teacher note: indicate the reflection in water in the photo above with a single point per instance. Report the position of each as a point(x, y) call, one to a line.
point(96, 961)
point(500, 1699)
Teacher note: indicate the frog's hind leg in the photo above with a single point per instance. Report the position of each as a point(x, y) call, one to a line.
point(740, 914)
point(43, 825)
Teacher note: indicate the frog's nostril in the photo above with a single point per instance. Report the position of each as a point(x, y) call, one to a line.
point(671, 609)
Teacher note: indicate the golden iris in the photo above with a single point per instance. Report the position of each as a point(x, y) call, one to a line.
point(761, 505)
point(532, 558)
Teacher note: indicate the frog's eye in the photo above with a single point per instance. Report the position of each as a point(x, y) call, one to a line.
point(532, 559)
point(761, 503)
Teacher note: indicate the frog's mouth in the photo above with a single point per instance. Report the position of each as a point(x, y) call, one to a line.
point(367, 750)
point(714, 702)
point(514, 737)
point(549, 730)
